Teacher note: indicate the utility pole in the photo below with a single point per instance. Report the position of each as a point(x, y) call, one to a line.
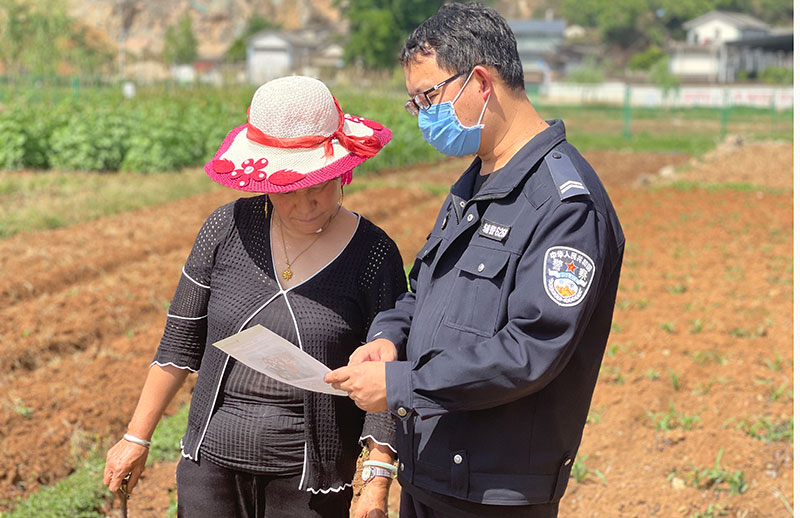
point(127, 9)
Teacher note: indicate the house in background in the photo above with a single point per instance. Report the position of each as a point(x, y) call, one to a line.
point(749, 57)
point(717, 27)
point(275, 53)
point(720, 44)
point(537, 44)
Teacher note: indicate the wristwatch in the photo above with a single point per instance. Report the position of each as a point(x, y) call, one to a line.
point(373, 468)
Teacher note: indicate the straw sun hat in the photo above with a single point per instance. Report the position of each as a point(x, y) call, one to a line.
point(296, 136)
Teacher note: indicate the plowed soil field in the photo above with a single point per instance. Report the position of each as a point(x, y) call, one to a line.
point(690, 414)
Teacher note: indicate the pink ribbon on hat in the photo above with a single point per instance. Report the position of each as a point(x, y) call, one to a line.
point(363, 146)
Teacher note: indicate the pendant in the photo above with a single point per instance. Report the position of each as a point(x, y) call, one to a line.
point(287, 274)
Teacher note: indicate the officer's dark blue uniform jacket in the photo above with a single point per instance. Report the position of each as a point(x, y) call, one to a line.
point(501, 337)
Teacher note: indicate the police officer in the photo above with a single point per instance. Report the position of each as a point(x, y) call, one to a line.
point(489, 362)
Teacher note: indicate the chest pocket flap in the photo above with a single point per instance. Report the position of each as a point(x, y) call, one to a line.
point(429, 248)
point(483, 262)
point(477, 292)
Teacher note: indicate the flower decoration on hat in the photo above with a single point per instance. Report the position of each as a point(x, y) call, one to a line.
point(251, 170)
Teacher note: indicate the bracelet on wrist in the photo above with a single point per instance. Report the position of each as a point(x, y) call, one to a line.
point(135, 440)
point(377, 469)
point(385, 465)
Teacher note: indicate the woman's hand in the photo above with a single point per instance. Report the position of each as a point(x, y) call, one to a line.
point(124, 458)
point(373, 500)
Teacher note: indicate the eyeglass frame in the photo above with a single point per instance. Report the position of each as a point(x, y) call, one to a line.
point(414, 108)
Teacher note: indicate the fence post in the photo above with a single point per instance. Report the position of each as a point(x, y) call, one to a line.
point(725, 108)
point(774, 110)
point(626, 114)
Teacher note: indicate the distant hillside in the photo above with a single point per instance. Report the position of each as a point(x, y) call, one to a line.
point(216, 23)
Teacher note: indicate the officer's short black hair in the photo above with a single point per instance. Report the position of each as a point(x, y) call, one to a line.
point(465, 35)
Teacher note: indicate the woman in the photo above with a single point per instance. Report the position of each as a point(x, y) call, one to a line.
point(300, 264)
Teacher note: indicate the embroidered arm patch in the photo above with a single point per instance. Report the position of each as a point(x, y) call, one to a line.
point(567, 275)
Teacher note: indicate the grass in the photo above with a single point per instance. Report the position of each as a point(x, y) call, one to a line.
point(652, 374)
point(775, 365)
point(689, 130)
point(673, 419)
point(697, 326)
point(595, 416)
point(766, 430)
point(712, 511)
point(683, 185)
point(580, 472)
point(705, 387)
point(82, 494)
point(715, 476)
point(675, 379)
point(703, 357)
point(46, 200)
point(667, 326)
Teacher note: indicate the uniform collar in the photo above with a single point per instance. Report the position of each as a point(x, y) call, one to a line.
point(510, 175)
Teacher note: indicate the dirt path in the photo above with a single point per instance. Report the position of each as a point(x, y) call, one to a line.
point(705, 304)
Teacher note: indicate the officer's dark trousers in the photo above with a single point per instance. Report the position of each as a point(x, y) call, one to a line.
point(206, 490)
point(419, 503)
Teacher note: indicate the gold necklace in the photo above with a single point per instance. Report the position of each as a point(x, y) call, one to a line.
point(287, 273)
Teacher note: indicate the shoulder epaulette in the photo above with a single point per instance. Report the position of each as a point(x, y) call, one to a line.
point(565, 175)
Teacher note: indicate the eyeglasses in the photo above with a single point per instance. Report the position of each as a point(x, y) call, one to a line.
point(421, 101)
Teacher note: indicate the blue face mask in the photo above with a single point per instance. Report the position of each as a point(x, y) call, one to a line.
point(440, 126)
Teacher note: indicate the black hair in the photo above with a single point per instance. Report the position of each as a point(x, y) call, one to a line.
point(465, 35)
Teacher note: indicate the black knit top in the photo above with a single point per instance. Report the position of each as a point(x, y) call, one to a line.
point(228, 284)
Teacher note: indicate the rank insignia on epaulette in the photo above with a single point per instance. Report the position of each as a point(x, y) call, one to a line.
point(565, 175)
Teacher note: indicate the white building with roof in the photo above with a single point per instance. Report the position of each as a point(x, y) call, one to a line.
point(275, 53)
point(718, 27)
point(704, 56)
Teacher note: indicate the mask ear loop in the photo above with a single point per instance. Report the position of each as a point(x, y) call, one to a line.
point(463, 86)
point(485, 105)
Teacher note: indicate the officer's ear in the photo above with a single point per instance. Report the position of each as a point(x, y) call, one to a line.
point(487, 77)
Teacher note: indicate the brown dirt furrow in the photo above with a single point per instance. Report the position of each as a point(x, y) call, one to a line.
point(703, 325)
point(405, 214)
point(52, 415)
point(36, 330)
point(44, 262)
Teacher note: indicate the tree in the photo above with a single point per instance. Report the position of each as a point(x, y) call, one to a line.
point(39, 37)
point(639, 24)
point(776, 12)
point(659, 74)
point(238, 49)
point(378, 28)
point(180, 45)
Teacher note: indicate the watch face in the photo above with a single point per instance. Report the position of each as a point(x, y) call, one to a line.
point(365, 474)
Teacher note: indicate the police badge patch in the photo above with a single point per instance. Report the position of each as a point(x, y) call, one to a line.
point(567, 275)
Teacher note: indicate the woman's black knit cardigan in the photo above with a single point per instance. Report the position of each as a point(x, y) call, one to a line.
point(229, 276)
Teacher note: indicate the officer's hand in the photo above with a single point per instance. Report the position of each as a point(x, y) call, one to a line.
point(380, 350)
point(365, 384)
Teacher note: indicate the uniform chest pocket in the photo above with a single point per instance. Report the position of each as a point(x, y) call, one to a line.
point(477, 295)
point(422, 266)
